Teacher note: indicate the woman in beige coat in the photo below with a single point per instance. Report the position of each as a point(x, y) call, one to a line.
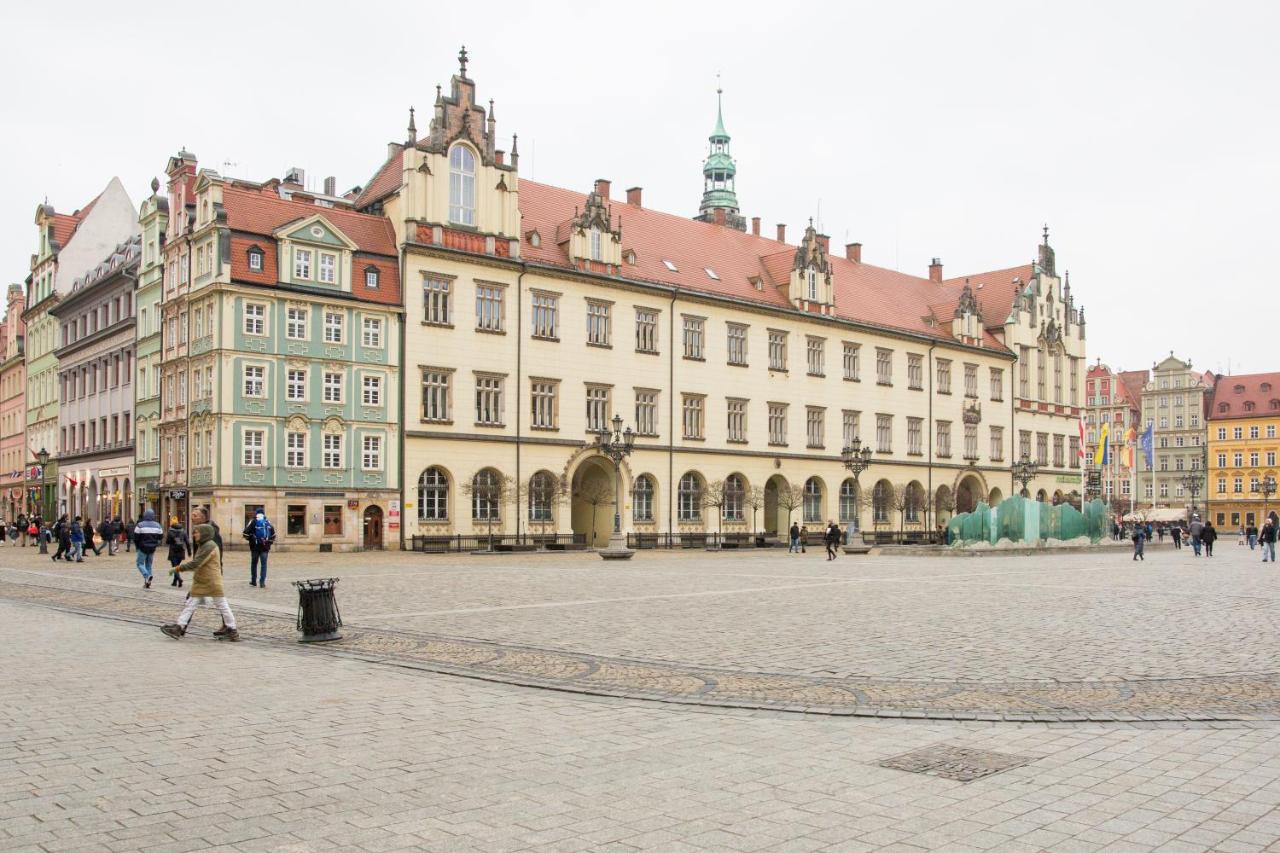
point(206, 587)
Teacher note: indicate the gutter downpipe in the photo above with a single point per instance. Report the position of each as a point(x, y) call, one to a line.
point(928, 498)
point(671, 414)
point(404, 326)
point(524, 268)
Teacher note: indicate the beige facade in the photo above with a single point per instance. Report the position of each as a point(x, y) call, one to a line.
point(1174, 402)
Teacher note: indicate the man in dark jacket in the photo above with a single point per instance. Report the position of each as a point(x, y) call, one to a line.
point(129, 527)
point(1268, 541)
point(147, 535)
point(1208, 536)
point(832, 539)
point(200, 515)
point(23, 524)
point(107, 530)
point(261, 535)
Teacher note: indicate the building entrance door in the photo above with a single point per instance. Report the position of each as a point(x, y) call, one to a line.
point(373, 528)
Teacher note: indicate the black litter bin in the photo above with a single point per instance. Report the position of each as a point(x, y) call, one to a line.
point(318, 617)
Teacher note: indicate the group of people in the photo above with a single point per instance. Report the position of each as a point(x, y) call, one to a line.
point(1201, 535)
point(831, 537)
point(75, 535)
point(1264, 538)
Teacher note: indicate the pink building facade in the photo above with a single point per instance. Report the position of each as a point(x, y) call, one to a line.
point(16, 459)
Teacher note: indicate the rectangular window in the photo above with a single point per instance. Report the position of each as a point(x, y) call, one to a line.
point(692, 411)
point(944, 439)
point(1024, 444)
point(1237, 433)
point(852, 369)
point(971, 442)
point(646, 412)
point(435, 395)
point(884, 366)
point(971, 381)
point(778, 423)
point(849, 427)
point(371, 453)
point(302, 263)
point(489, 314)
point(371, 391)
point(1042, 357)
point(436, 304)
point(597, 408)
point(1059, 451)
point(1042, 448)
point(1024, 372)
point(331, 451)
point(777, 350)
point(884, 433)
point(295, 384)
point(944, 376)
point(328, 268)
point(1237, 460)
point(295, 326)
point(646, 330)
point(295, 449)
point(254, 320)
point(815, 350)
point(254, 380)
point(489, 400)
point(333, 519)
point(1073, 451)
point(1237, 485)
point(736, 343)
point(333, 323)
point(371, 278)
point(253, 442)
point(815, 419)
point(1271, 458)
point(915, 436)
point(199, 323)
point(543, 397)
point(1075, 381)
point(1057, 378)
point(693, 329)
point(598, 323)
point(332, 387)
point(296, 520)
point(997, 444)
point(371, 332)
point(546, 316)
point(736, 412)
point(915, 371)
point(997, 383)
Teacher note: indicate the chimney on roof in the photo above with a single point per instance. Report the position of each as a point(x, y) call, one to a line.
point(935, 270)
point(720, 218)
point(602, 187)
point(853, 251)
point(782, 232)
point(393, 148)
point(755, 225)
point(499, 157)
point(824, 242)
point(330, 185)
point(633, 196)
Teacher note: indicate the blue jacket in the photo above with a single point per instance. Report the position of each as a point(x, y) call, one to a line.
point(148, 534)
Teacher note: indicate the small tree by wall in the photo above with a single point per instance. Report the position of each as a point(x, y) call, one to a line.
point(595, 493)
point(550, 490)
point(715, 495)
point(754, 498)
point(791, 499)
point(496, 490)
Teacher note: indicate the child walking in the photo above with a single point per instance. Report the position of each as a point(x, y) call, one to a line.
point(206, 587)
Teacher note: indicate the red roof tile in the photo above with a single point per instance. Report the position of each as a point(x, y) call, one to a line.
point(384, 181)
point(1133, 381)
point(994, 291)
point(64, 227)
point(1233, 396)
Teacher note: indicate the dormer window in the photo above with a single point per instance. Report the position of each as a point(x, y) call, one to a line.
point(535, 239)
point(462, 185)
point(1239, 389)
point(302, 263)
point(813, 285)
point(371, 277)
point(630, 256)
point(255, 259)
point(711, 274)
point(1248, 405)
point(595, 244)
point(670, 265)
point(327, 268)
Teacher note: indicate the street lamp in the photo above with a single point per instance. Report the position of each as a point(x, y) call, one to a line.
point(1268, 488)
point(617, 444)
point(1024, 471)
point(42, 457)
point(1191, 482)
point(857, 458)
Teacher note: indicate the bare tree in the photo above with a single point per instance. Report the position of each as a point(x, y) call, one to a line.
point(945, 502)
point(546, 493)
point(596, 493)
point(715, 495)
point(791, 499)
point(754, 498)
point(489, 494)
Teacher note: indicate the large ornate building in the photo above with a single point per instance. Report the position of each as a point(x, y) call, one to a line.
point(1114, 398)
point(1244, 417)
point(1174, 403)
point(15, 458)
point(153, 218)
point(742, 363)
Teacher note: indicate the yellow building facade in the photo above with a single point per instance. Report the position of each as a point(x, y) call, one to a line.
point(1243, 445)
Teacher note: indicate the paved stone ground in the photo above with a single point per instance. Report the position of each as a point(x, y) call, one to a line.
point(113, 737)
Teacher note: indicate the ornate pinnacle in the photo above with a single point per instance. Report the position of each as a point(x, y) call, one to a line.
point(462, 62)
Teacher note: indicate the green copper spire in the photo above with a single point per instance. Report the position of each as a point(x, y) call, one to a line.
point(718, 176)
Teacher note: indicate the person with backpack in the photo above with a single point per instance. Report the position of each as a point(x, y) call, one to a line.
point(1139, 540)
point(61, 532)
point(206, 588)
point(149, 534)
point(261, 535)
point(179, 547)
point(77, 540)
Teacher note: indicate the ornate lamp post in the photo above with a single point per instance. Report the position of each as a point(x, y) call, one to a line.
point(1268, 488)
point(1191, 482)
point(856, 458)
point(1024, 471)
point(42, 457)
point(616, 444)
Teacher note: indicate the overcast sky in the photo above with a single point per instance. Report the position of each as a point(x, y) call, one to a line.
point(1145, 134)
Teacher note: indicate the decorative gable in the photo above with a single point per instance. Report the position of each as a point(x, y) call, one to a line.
point(966, 323)
point(314, 253)
point(592, 234)
point(811, 287)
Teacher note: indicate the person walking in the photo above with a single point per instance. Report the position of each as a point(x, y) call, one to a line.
point(1268, 540)
point(832, 539)
point(62, 532)
point(77, 540)
point(129, 527)
point(804, 535)
point(149, 535)
point(179, 547)
point(1208, 536)
point(1176, 533)
point(206, 588)
point(1139, 540)
point(794, 533)
point(1251, 534)
point(23, 523)
point(200, 515)
point(107, 530)
point(1196, 528)
point(89, 530)
point(261, 535)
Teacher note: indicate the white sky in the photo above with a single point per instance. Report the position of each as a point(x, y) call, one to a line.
point(1145, 133)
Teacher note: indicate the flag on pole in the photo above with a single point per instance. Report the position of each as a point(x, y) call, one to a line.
point(1148, 447)
point(1102, 456)
point(1080, 452)
point(1126, 458)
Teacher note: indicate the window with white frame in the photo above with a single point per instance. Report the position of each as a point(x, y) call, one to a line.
point(944, 439)
point(997, 383)
point(332, 387)
point(693, 337)
point(462, 185)
point(489, 314)
point(815, 421)
point(371, 332)
point(646, 330)
point(371, 390)
point(852, 368)
point(488, 399)
point(971, 443)
point(735, 494)
point(331, 451)
point(884, 366)
point(295, 383)
point(254, 320)
point(693, 415)
point(302, 263)
point(254, 439)
point(333, 327)
point(816, 355)
point(777, 350)
point(436, 301)
point(295, 449)
point(884, 433)
point(254, 380)
point(915, 371)
point(295, 324)
point(642, 498)
point(736, 343)
point(371, 453)
point(850, 427)
point(327, 268)
point(915, 436)
point(543, 396)
point(778, 423)
point(997, 443)
point(971, 381)
point(944, 376)
point(546, 316)
point(689, 498)
point(736, 417)
point(646, 412)
point(597, 408)
point(371, 277)
point(598, 323)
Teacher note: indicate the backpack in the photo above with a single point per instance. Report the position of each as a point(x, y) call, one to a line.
point(262, 534)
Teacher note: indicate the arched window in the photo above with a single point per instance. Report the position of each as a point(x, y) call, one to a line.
point(542, 493)
point(689, 498)
point(914, 502)
point(642, 498)
point(735, 492)
point(433, 495)
point(462, 185)
point(813, 285)
point(848, 502)
point(812, 500)
point(486, 493)
point(881, 500)
point(595, 244)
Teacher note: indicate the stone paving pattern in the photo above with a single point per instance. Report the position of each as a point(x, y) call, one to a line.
point(113, 737)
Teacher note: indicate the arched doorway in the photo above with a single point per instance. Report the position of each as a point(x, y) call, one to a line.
point(373, 528)
point(968, 493)
point(944, 503)
point(995, 497)
point(1042, 496)
point(1057, 497)
point(592, 505)
point(775, 512)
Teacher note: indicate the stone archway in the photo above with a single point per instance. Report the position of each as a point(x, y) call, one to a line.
point(944, 504)
point(775, 513)
point(995, 497)
point(968, 492)
point(593, 490)
point(1042, 496)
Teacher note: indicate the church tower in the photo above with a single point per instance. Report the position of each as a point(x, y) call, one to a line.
point(719, 201)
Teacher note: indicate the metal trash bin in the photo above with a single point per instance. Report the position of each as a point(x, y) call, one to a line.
point(318, 616)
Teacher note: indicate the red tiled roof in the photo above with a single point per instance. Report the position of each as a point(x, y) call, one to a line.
point(384, 181)
point(993, 290)
point(64, 226)
point(864, 293)
point(1236, 393)
point(1133, 381)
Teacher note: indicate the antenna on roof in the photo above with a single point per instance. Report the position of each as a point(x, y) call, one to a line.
point(819, 216)
point(227, 164)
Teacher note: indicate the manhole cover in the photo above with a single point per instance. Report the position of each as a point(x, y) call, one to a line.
point(955, 762)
